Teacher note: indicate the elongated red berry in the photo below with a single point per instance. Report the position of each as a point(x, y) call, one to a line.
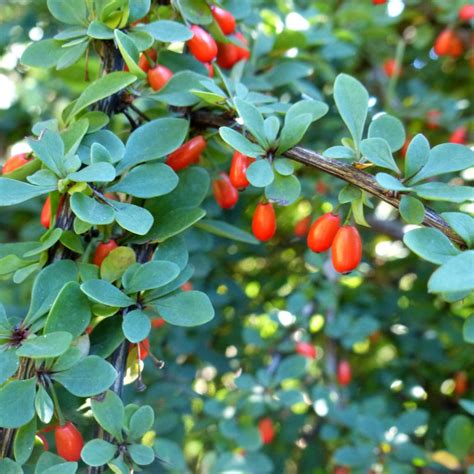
point(460, 383)
point(448, 43)
point(264, 222)
point(188, 286)
point(225, 193)
point(344, 373)
point(306, 349)
point(15, 162)
point(45, 217)
point(459, 136)
point(243, 50)
point(227, 55)
point(157, 323)
point(466, 13)
point(202, 45)
point(102, 250)
point(267, 432)
point(187, 154)
point(224, 19)
point(302, 227)
point(379, 2)
point(346, 249)
point(341, 470)
point(322, 232)
point(69, 442)
point(159, 76)
point(238, 169)
point(391, 67)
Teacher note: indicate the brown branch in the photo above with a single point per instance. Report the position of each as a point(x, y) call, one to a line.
point(348, 173)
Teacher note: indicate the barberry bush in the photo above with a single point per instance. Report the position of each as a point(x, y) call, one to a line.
point(236, 237)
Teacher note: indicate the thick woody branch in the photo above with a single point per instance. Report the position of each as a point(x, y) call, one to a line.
point(348, 173)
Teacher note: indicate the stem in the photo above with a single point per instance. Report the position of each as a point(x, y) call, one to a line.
point(348, 173)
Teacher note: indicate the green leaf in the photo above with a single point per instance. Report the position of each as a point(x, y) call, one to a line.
point(129, 52)
point(44, 405)
point(173, 250)
point(378, 152)
point(9, 363)
point(71, 55)
point(72, 241)
point(104, 292)
point(14, 192)
point(196, 11)
point(96, 172)
point(170, 453)
point(430, 244)
point(175, 222)
point(445, 192)
point(45, 347)
point(462, 224)
point(253, 120)
point(287, 73)
point(177, 91)
point(340, 152)
point(411, 420)
point(152, 275)
point(147, 181)
point(52, 464)
point(388, 181)
point(18, 396)
point(468, 405)
point(238, 142)
point(89, 377)
point(133, 218)
point(146, 142)
point(141, 454)
point(45, 53)
point(390, 129)
point(98, 452)
point(99, 30)
point(412, 210)
point(291, 367)
point(100, 89)
point(70, 311)
point(260, 173)
point(445, 158)
point(352, 101)
point(454, 275)
point(47, 286)
point(293, 132)
point(284, 166)
point(116, 263)
point(417, 155)
point(458, 435)
point(271, 126)
point(67, 12)
point(8, 466)
point(315, 108)
point(24, 442)
point(228, 231)
point(109, 413)
point(141, 422)
point(47, 241)
point(136, 326)
point(468, 330)
point(168, 31)
point(90, 210)
point(284, 190)
point(138, 9)
point(190, 308)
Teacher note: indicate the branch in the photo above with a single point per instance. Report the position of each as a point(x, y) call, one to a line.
point(348, 173)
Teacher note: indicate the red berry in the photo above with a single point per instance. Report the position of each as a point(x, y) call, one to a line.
point(432, 119)
point(202, 45)
point(159, 76)
point(45, 217)
point(238, 169)
point(306, 349)
point(466, 13)
point(188, 286)
point(267, 432)
point(460, 383)
point(15, 162)
point(405, 146)
point(322, 231)
point(187, 154)
point(157, 323)
point(344, 373)
point(264, 222)
point(321, 187)
point(69, 442)
point(459, 136)
point(228, 54)
point(225, 193)
point(102, 250)
point(144, 348)
point(302, 227)
point(448, 43)
point(379, 2)
point(346, 249)
point(210, 69)
point(144, 59)
point(341, 470)
point(224, 19)
point(391, 67)
point(244, 52)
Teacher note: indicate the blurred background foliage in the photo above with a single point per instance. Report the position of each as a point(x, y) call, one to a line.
point(402, 412)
